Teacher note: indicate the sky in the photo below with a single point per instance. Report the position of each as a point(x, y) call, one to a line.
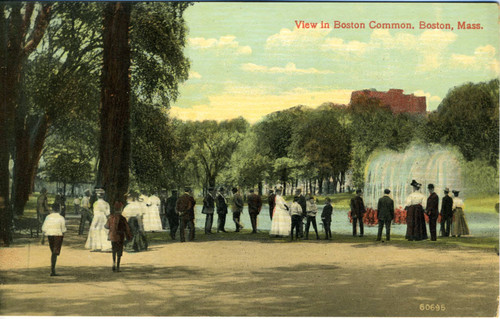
point(252, 59)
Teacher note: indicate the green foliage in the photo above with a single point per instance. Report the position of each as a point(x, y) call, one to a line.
point(151, 145)
point(323, 142)
point(468, 118)
point(374, 126)
point(158, 37)
point(212, 146)
point(274, 137)
point(247, 167)
point(68, 168)
point(480, 177)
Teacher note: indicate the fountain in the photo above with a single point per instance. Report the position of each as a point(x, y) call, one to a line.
point(434, 164)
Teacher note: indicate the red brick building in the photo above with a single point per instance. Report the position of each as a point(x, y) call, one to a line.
point(396, 100)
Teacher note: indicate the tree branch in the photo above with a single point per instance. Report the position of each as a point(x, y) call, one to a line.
point(41, 23)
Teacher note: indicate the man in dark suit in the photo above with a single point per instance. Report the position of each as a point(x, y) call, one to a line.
point(385, 215)
point(357, 212)
point(446, 213)
point(432, 210)
point(302, 203)
point(171, 214)
point(185, 209)
point(254, 206)
point(237, 209)
point(221, 210)
point(208, 210)
point(270, 201)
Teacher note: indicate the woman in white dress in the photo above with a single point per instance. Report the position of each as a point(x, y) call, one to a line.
point(282, 222)
point(97, 239)
point(152, 220)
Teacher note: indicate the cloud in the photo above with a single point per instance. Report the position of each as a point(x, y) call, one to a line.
point(236, 102)
point(339, 45)
point(223, 43)
point(429, 47)
point(432, 46)
point(484, 58)
point(287, 37)
point(194, 75)
point(290, 68)
point(432, 100)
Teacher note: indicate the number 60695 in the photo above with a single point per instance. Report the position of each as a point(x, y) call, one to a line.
point(432, 307)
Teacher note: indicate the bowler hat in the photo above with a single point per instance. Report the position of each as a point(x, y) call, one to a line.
point(446, 190)
point(430, 186)
point(387, 191)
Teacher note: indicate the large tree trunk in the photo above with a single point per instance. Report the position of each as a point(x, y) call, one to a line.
point(17, 42)
point(114, 147)
point(29, 140)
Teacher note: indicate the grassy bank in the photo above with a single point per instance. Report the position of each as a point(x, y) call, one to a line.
point(481, 204)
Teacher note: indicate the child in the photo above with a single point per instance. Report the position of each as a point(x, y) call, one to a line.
point(54, 228)
point(296, 212)
point(311, 210)
point(326, 217)
point(118, 230)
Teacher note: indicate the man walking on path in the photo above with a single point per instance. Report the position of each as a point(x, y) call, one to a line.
point(254, 207)
point(432, 210)
point(54, 228)
point(385, 215)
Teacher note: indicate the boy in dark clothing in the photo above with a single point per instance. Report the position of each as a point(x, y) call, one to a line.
point(118, 230)
point(326, 217)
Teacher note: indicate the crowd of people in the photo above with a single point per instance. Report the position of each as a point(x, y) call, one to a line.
point(124, 227)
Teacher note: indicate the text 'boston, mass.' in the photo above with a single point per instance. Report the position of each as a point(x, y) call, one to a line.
point(460, 25)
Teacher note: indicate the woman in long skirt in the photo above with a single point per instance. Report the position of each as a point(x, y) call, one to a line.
point(98, 235)
point(415, 220)
point(459, 226)
point(282, 221)
point(152, 220)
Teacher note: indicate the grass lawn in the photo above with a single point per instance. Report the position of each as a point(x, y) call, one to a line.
point(482, 204)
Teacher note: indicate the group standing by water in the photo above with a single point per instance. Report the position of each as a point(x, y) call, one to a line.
point(125, 228)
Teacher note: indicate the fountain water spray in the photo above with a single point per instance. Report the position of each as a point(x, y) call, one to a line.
point(433, 164)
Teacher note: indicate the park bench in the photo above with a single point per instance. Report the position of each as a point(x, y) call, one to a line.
point(24, 224)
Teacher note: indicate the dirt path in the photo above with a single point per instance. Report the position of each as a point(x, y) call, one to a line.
point(250, 278)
